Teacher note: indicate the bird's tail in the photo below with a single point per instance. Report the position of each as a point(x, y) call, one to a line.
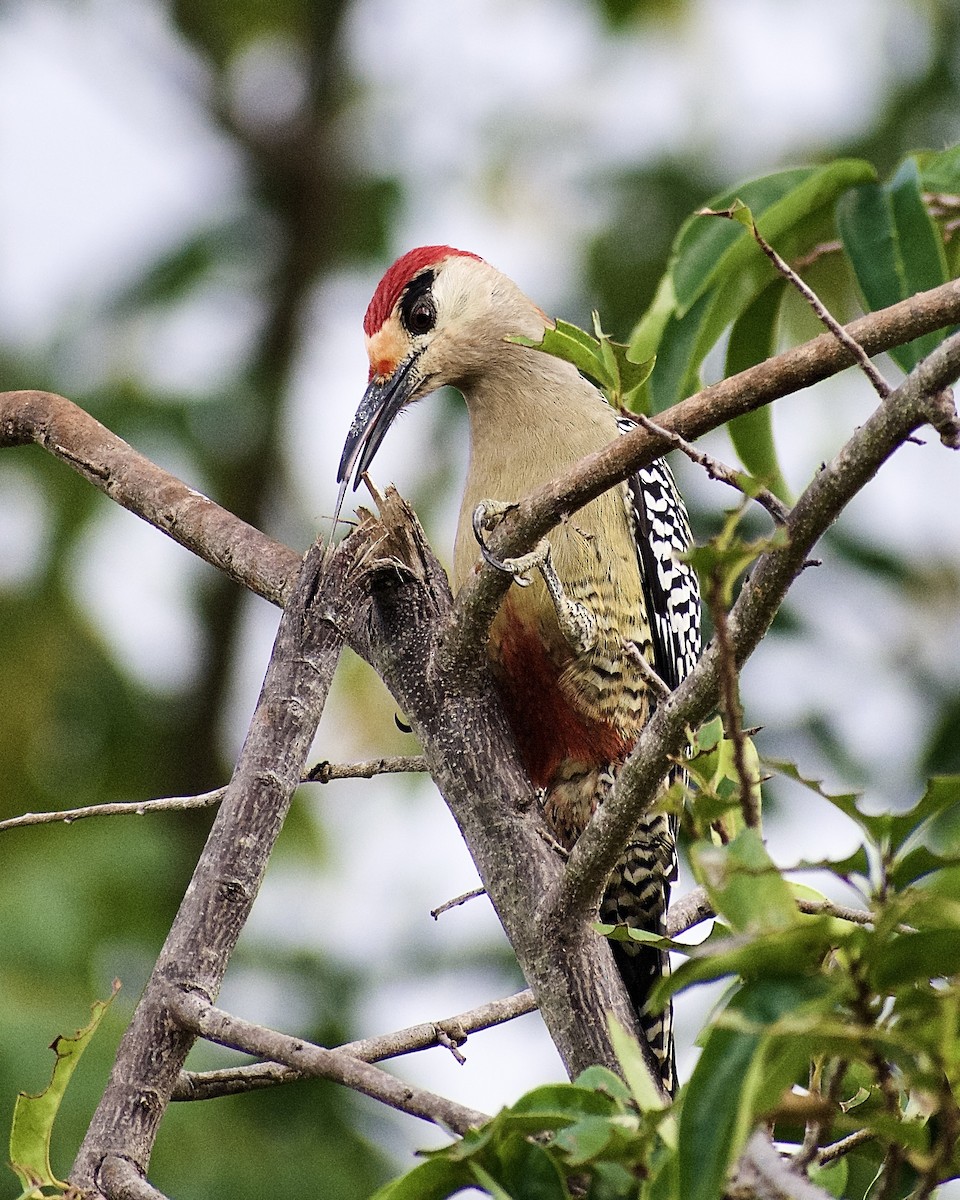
point(638, 895)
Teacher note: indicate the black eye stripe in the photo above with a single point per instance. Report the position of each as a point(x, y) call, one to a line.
point(417, 310)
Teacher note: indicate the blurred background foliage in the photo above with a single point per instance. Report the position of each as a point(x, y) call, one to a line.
point(196, 201)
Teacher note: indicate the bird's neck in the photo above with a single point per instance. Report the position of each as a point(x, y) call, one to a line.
point(529, 422)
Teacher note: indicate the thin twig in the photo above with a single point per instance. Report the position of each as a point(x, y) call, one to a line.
point(839, 1148)
point(688, 911)
point(817, 1126)
point(880, 385)
point(730, 697)
point(719, 471)
point(473, 894)
point(818, 252)
point(119, 808)
point(323, 772)
point(857, 916)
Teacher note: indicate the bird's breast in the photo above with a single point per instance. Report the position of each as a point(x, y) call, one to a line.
point(532, 667)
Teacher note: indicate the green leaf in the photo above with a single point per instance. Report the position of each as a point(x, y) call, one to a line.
point(600, 1079)
point(488, 1182)
point(556, 1103)
point(718, 784)
point(634, 1066)
point(772, 955)
point(34, 1116)
point(744, 884)
point(940, 171)
point(895, 248)
point(831, 1178)
point(585, 1140)
point(752, 340)
point(846, 802)
point(713, 1125)
point(915, 957)
point(917, 864)
point(717, 270)
point(530, 1172)
point(735, 1080)
point(722, 560)
point(618, 373)
point(939, 809)
point(573, 345)
point(433, 1180)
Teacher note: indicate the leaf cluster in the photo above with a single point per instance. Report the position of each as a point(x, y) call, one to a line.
point(597, 1138)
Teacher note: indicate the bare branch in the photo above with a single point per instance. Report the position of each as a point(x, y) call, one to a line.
point(473, 894)
point(120, 808)
point(719, 471)
point(880, 385)
point(688, 911)
point(839, 1148)
point(324, 772)
point(421, 1037)
point(321, 773)
point(204, 1085)
point(133, 481)
point(202, 1018)
point(225, 882)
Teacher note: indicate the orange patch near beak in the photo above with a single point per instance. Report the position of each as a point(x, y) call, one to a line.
point(385, 349)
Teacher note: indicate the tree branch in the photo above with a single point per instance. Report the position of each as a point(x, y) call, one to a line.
point(720, 471)
point(197, 1014)
point(118, 808)
point(400, 629)
point(323, 772)
point(208, 1084)
point(133, 481)
point(224, 884)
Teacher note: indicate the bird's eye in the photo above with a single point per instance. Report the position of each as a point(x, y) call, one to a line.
point(421, 316)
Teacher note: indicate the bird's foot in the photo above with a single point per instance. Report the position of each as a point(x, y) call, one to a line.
point(577, 622)
point(486, 517)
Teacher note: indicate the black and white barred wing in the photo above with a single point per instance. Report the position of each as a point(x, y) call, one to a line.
point(670, 585)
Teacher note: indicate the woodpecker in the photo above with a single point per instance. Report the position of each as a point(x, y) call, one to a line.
point(610, 587)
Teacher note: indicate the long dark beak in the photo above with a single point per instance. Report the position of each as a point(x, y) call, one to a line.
point(381, 402)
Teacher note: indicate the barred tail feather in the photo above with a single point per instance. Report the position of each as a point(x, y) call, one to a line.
point(638, 895)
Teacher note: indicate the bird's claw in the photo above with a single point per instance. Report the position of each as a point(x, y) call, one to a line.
point(486, 517)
